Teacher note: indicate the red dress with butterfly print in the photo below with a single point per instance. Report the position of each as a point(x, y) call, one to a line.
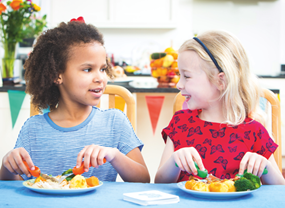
point(221, 147)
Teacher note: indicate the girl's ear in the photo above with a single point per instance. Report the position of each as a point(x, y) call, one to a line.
point(222, 81)
point(58, 81)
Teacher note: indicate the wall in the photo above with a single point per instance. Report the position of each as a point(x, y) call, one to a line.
point(259, 24)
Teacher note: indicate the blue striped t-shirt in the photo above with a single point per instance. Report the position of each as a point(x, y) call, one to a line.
point(54, 149)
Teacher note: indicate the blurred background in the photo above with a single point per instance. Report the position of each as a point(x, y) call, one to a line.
point(134, 29)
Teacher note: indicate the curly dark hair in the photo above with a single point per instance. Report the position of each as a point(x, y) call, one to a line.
point(49, 57)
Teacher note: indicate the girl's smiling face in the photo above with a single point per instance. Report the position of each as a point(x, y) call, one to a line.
point(84, 79)
point(194, 83)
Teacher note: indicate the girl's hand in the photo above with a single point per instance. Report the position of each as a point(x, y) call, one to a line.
point(94, 155)
point(254, 163)
point(185, 157)
point(13, 161)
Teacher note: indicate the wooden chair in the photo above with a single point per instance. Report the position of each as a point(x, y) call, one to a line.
point(112, 91)
point(275, 117)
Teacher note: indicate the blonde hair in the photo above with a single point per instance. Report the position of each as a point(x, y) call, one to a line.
point(241, 95)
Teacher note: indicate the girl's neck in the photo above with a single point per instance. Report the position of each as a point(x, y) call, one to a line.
point(213, 114)
point(70, 115)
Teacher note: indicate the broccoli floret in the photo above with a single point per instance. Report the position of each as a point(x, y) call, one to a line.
point(254, 179)
point(243, 184)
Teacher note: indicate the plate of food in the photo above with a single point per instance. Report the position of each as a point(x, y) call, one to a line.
point(213, 195)
point(215, 188)
point(76, 185)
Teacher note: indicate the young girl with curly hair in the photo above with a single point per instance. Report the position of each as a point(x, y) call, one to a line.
point(218, 131)
point(67, 72)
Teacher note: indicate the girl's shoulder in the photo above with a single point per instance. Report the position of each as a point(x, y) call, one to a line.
point(186, 112)
point(109, 112)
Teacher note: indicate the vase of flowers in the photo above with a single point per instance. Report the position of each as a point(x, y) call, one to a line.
point(13, 16)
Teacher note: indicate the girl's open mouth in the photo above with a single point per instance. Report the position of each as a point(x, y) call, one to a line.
point(96, 92)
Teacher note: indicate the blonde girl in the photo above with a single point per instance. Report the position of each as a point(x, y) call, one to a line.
point(218, 131)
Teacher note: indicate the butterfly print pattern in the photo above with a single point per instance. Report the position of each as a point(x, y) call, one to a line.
point(234, 137)
point(202, 150)
point(208, 141)
point(216, 148)
point(213, 171)
point(261, 151)
point(193, 131)
point(172, 133)
point(233, 149)
point(269, 145)
point(176, 119)
point(222, 161)
point(259, 134)
point(183, 127)
point(255, 138)
point(176, 143)
point(239, 156)
point(190, 142)
point(235, 171)
point(207, 124)
point(220, 147)
point(191, 120)
point(220, 133)
point(226, 176)
point(246, 135)
point(179, 112)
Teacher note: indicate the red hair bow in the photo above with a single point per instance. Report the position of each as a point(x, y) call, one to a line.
point(79, 19)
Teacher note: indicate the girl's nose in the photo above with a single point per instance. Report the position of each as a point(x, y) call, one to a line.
point(98, 77)
point(179, 85)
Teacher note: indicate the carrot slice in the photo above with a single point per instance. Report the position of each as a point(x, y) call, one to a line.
point(80, 170)
point(35, 173)
point(92, 181)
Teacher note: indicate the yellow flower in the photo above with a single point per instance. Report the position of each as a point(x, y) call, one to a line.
point(36, 7)
point(15, 4)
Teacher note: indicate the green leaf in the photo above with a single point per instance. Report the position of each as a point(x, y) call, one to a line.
point(67, 172)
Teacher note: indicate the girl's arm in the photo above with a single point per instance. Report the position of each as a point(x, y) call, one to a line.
point(131, 167)
point(168, 172)
point(274, 176)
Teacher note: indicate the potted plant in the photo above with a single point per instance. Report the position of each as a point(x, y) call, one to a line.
point(32, 30)
point(12, 18)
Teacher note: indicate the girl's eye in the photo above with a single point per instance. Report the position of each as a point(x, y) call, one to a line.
point(103, 69)
point(186, 77)
point(87, 70)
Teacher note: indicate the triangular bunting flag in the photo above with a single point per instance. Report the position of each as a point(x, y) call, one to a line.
point(16, 99)
point(154, 105)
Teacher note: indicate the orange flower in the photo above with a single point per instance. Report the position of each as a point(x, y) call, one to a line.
point(15, 4)
point(2, 8)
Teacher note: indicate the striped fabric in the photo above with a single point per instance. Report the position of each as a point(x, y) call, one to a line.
point(54, 149)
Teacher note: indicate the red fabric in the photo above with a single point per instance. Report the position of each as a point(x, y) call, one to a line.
point(79, 19)
point(221, 147)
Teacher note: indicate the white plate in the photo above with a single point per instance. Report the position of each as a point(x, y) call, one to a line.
point(213, 195)
point(60, 191)
point(120, 80)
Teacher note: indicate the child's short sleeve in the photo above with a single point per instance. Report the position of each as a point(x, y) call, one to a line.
point(128, 140)
point(166, 132)
point(262, 144)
